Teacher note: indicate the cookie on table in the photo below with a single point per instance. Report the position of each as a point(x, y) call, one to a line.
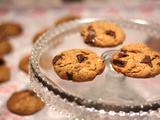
point(24, 63)
point(40, 33)
point(78, 65)
point(137, 60)
point(66, 19)
point(24, 102)
point(4, 71)
point(102, 34)
point(10, 29)
point(5, 45)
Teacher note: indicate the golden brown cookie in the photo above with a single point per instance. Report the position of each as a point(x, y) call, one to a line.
point(102, 34)
point(66, 19)
point(10, 29)
point(5, 45)
point(39, 34)
point(78, 65)
point(4, 71)
point(137, 60)
point(24, 63)
point(24, 103)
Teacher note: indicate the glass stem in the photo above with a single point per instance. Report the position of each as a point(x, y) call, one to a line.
point(111, 73)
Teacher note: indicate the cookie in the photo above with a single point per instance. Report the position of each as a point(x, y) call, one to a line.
point(137, 60)
point(102, 34)
point(5, 45)
point(24, 103)
point(10, 29)
point(4, 71)
point(24, 63)
point(66, 19)
point(40, 33)
point(78, 65)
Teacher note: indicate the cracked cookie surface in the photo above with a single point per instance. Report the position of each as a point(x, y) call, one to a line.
point(78, 65)
point(137, 61)
point(102, 34)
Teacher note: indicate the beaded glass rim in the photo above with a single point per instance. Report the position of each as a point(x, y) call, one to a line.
point(37, 74)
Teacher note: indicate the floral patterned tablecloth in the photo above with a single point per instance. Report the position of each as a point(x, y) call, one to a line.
point(34, 19)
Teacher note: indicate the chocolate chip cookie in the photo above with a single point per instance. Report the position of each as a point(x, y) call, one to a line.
point(24, 102)
point(24, 63)
point(78, 65)
point(5, 45)
point(10, 29)
point(137, 60)
point(4, 71)
point(102, 34)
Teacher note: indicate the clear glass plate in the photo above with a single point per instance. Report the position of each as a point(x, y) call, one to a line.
point(109, 91)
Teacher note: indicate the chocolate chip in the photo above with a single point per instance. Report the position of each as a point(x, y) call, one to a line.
point(158, 64)
point(91, 30)
point(69, 75)
point(76, 67)
point(124, 51)
point(147, 60)
point(55, 59)
point(111, 33)
point(119, 63)
point(120, 55)
point(81, 58)
point(2, 62)
point(90, 39)
point(156, 56)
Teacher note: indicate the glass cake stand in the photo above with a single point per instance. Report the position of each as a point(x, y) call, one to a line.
point(110, 96)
